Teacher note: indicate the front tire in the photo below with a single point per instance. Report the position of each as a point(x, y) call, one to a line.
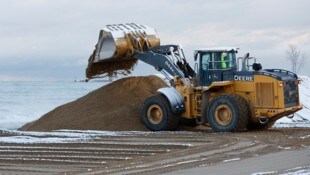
point(157, 115)
point(228, 113)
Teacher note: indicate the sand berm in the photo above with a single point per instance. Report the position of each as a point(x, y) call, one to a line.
point(113, 107)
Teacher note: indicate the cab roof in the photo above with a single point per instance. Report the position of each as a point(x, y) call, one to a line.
point(217, 49)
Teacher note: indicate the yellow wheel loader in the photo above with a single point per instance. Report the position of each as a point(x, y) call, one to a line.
point(226, 92)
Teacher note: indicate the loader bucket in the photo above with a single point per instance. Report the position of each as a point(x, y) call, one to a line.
point(116, 46)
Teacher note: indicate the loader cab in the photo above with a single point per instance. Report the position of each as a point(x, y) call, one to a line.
point(215, 64)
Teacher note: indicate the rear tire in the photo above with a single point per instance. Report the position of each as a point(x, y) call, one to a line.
point(228, 113)
point(157, 115)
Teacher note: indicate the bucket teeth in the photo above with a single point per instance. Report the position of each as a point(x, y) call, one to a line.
point(117, 44)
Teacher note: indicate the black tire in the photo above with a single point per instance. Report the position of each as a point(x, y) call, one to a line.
point(228, 113)
point(157, 115)
point(259, 126)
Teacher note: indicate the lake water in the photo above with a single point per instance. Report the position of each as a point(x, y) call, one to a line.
point(22, 102)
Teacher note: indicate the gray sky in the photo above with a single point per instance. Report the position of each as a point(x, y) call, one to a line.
point(52, 39)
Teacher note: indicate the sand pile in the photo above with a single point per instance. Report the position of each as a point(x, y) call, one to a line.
point(114, 107)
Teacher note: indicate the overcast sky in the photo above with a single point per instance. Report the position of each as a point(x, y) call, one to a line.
point(52, 39)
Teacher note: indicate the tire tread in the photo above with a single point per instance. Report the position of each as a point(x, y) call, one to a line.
point(171, 122)
point(242, 108)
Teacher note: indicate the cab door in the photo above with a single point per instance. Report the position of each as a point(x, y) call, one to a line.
point(210, 68)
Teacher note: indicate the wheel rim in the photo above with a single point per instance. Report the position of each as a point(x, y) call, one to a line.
point(155, 114)
point(223, 114)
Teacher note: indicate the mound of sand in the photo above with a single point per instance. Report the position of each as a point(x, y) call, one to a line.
point(114, 107)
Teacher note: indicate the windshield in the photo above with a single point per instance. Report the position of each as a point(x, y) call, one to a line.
point(218, 60)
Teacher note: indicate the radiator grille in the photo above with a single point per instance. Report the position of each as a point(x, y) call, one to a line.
point(264, 94)
point(290, 93)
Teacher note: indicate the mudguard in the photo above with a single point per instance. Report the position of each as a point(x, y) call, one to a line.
point(174, 98)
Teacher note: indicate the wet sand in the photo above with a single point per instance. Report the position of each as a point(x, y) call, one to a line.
point(184, 152)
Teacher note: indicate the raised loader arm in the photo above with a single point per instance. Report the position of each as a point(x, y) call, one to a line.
point(162, 59)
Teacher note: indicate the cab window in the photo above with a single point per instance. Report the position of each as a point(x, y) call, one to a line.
point(218, 60)
point(205, 61)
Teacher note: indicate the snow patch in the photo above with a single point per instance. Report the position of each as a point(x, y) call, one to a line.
point(68, 136)
point(264, 173)
point(284, 148)
point(29, 139)
point(297, 171)
point(230, 160)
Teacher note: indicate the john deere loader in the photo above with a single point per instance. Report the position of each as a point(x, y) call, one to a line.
point(226, 92)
